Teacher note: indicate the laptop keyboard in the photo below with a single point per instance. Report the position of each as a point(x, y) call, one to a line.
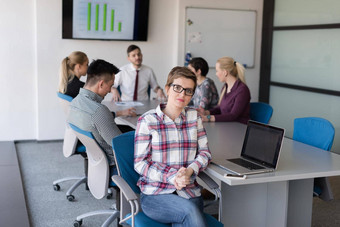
point(245, 164)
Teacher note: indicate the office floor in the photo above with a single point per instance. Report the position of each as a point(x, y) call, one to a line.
point(328, 213)
point(42, 162)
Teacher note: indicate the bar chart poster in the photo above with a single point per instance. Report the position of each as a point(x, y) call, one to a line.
point(103, 19)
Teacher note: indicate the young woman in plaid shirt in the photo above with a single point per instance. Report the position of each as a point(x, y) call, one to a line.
point(171, 148)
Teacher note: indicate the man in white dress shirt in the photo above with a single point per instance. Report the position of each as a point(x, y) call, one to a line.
point(131, 88)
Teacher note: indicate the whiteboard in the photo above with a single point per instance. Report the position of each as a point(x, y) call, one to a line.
point(215, 33)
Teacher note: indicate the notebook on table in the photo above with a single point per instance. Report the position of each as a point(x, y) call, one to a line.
point(260, 151)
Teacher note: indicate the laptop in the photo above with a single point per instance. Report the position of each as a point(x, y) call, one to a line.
point(260, 151)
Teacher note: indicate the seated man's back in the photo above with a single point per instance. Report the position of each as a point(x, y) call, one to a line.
point(87, 113)
point(86, 110)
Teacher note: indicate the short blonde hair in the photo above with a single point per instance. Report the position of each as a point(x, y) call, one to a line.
point(179, 72)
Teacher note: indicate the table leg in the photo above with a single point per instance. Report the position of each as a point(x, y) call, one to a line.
point(255, 204)
point(300, 203)
point(285, 203)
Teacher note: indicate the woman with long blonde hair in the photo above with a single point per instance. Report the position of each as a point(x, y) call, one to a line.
point(72, 68)
point(234, 102)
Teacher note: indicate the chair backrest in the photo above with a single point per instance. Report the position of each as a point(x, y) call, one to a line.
point(123, 148)
point(98, 165)
point(70, 139)
point(314, 131)
point(261, 112)
point(65, 101)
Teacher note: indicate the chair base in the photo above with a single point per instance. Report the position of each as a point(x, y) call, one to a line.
point(323, 189)
point(69, 196)
point(113, 215)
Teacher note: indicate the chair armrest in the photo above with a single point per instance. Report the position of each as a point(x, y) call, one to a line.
point(208, 180)
point(124, 188)
point(215, 189)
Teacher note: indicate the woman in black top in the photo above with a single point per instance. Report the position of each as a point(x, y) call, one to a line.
point(72, 68)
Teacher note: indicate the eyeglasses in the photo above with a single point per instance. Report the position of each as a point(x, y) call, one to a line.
point(178, 88)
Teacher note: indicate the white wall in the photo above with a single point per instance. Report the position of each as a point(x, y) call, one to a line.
point(51, 49)
point(31, 53)
point(252, 75)
point(17, 70)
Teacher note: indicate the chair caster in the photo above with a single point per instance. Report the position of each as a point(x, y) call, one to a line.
point(56, 187)
point(109, 196)
point(70, 198)
point(77, 223)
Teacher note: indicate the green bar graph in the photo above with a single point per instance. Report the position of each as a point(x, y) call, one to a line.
point(119, 26)
point(102, 11)
point(104, 17)
point(112, 19)
point(97, 17)
point(89, 16)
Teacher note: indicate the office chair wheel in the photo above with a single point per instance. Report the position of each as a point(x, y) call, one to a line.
point(56, 187)
point(109, 196)
point(70, 198)
point(77, 223)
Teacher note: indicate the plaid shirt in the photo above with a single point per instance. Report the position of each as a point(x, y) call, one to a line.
point(163, 146)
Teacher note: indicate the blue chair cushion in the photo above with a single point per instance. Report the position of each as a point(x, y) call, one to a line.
point(113, 171)
point(317, 190)
point(314, 131)
point(65, 97)
point(80, 148)
point(261, 112)
point(211, 221)
point(121, 144)
point(142, 220)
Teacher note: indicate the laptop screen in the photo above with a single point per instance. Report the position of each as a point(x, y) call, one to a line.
point(262, 143)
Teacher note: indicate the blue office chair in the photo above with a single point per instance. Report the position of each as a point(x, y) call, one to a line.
point(98, 175)
point(123, 147)
point(71, 146)
point(317, 132)
point(261, 112)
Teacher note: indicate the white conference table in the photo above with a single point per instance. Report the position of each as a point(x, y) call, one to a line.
point(281, 198)
point(131, 121)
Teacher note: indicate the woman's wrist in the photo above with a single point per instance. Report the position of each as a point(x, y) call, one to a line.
point(118, 113)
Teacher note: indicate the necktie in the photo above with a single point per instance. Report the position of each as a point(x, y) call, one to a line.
point(136, 87)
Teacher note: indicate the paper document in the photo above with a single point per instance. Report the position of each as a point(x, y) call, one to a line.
point(129, 103)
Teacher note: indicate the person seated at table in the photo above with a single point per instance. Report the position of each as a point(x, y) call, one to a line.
point(234, 103)
point(134, 79)
point(72, 68)
point(171, 148)
point(206, 95)
point(87, 112)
